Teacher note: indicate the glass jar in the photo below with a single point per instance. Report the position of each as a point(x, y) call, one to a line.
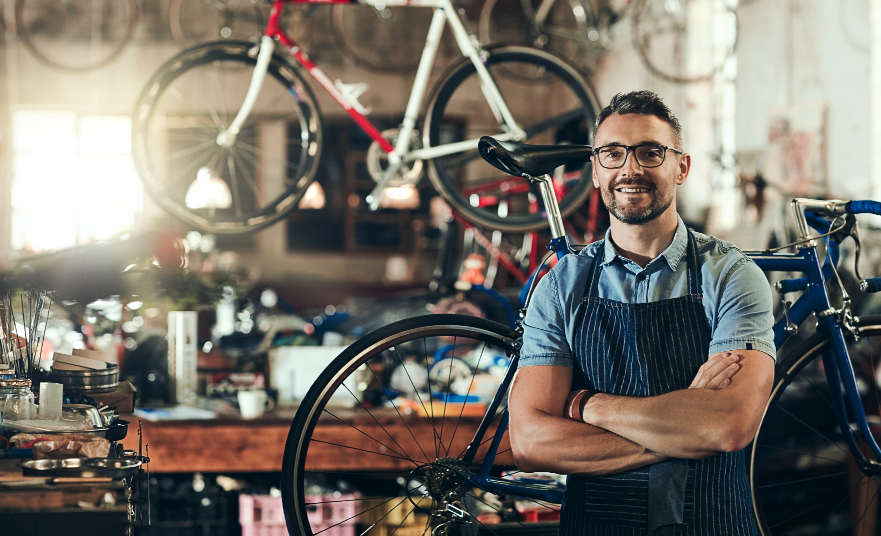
point(18, 395)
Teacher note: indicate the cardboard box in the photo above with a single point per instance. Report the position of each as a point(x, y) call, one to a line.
point(123, 397)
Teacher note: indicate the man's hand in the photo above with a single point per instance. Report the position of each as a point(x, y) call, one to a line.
point(717, 372)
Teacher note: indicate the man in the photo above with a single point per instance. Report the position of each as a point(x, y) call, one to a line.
point(648, 358)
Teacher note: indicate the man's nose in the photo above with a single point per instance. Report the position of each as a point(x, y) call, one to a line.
point(631, 167)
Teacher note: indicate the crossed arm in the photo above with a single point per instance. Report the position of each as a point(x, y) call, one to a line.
point(720, 412)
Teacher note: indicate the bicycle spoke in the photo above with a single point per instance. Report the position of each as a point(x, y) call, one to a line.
point(808, 479)
point(230, 164)
point(362, 450)
point(841, 418)
point(430, 396)
point(356, 515)
point(249, 179)
point(362, 513)
point(560, 119)
point(415, 390)
point(459, 418)
point(867, 503)
point(497, 415)
point(811, 428)
point(362, 432)
point(385, 390)
point(812, 507)
point(380, 425)
point(446, 397)
point(767, 446)
point(193, 149)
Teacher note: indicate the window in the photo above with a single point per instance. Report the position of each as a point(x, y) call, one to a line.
point(73, 181)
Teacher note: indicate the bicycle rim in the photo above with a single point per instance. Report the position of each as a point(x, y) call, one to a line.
point(372, 38)
point(360, 459)
point(75, 35)
point(565, 29)
point(240, 188)
point(664, 35)
point(803, 476)
point(561, 110)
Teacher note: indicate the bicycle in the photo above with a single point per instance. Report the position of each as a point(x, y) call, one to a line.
point(461, 480)
point(238, 123)
point(75, 35)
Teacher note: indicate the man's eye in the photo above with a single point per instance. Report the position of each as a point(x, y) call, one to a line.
point(613, 153)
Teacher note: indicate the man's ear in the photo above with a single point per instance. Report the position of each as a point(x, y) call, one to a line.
point(593, 172)
point(684, 168)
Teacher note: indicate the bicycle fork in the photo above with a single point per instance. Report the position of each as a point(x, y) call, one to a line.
point(227, 137)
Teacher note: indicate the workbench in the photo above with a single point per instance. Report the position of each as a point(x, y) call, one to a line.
point(230, 444)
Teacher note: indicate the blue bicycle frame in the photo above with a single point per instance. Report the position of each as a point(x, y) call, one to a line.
point(815, 299)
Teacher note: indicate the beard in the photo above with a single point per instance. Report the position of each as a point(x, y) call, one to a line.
point(631, 216)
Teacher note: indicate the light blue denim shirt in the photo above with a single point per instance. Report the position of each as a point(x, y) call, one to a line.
point(737, 296)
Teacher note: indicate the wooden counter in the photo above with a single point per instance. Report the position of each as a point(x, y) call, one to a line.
point(230, 444)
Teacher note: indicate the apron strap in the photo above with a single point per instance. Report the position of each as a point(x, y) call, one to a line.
point(695, 287)
point(591, 285)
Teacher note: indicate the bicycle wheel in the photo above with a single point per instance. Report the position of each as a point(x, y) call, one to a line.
point(243, 187)
point(75, 35)
point(562, 109)
point(378, 440)
point(381, 38)
point(803, 476)
point(196, 21)
point(563, 26)
point(684, 42)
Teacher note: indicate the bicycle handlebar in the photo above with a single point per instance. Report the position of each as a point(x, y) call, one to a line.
point(806, 211)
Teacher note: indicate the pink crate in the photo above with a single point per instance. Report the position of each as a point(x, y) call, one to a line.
point(339, 530)
point(264, 530)
point(261, 510)
point(339, 508)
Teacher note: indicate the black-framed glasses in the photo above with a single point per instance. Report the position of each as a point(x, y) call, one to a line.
point(648, 155)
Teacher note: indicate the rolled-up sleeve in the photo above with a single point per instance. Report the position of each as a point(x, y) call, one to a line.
point(745, 320)
point(544, 333)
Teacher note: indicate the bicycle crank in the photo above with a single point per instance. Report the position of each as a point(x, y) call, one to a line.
point(407, 174)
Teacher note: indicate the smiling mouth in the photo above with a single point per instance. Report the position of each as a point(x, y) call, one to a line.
point(633, 190)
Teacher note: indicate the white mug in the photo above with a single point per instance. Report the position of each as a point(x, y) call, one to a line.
point(252, 404)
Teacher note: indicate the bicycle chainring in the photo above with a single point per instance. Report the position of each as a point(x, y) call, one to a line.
point(377, 161)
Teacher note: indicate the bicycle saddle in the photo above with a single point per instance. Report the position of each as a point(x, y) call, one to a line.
point(520, 159)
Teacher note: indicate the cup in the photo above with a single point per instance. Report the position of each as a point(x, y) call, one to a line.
point(252, 404)
point(50, 400)
point(19, 407)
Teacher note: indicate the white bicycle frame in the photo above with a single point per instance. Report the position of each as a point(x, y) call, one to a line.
point(444, 12)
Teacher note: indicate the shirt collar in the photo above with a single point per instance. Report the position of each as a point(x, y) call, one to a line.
point(673, 254)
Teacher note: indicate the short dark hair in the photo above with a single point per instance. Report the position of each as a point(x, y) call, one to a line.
point(642, 102)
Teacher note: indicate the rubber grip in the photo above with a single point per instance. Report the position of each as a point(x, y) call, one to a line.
point(792, 285)
point(864, 207)
point(873, 284)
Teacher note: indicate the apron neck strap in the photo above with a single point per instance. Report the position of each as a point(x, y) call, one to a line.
point(695, 287)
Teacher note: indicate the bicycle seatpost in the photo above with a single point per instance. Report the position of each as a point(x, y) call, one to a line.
point(552, 208)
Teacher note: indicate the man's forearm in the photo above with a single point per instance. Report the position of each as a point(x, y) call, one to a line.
point(561, 445)
point(692, 423)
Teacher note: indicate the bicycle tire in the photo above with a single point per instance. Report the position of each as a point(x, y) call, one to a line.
point(184, 106)
point(454, 176)
point(801, 475)
point(567, 33)
point(389, 52)
point(381, 471)
point(642, 42)
point(246, 25)
point(51, 17)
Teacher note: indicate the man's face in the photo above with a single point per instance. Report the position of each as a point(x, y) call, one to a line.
point(633, 194)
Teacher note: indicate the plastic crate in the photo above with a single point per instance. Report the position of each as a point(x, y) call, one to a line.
point(261, 510)
point(263, 515)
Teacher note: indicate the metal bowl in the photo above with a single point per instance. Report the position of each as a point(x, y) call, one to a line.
point(87, 381)
point(90, 412)
point(82, 467)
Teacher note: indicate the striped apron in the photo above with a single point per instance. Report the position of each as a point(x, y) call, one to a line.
point(649, 349)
